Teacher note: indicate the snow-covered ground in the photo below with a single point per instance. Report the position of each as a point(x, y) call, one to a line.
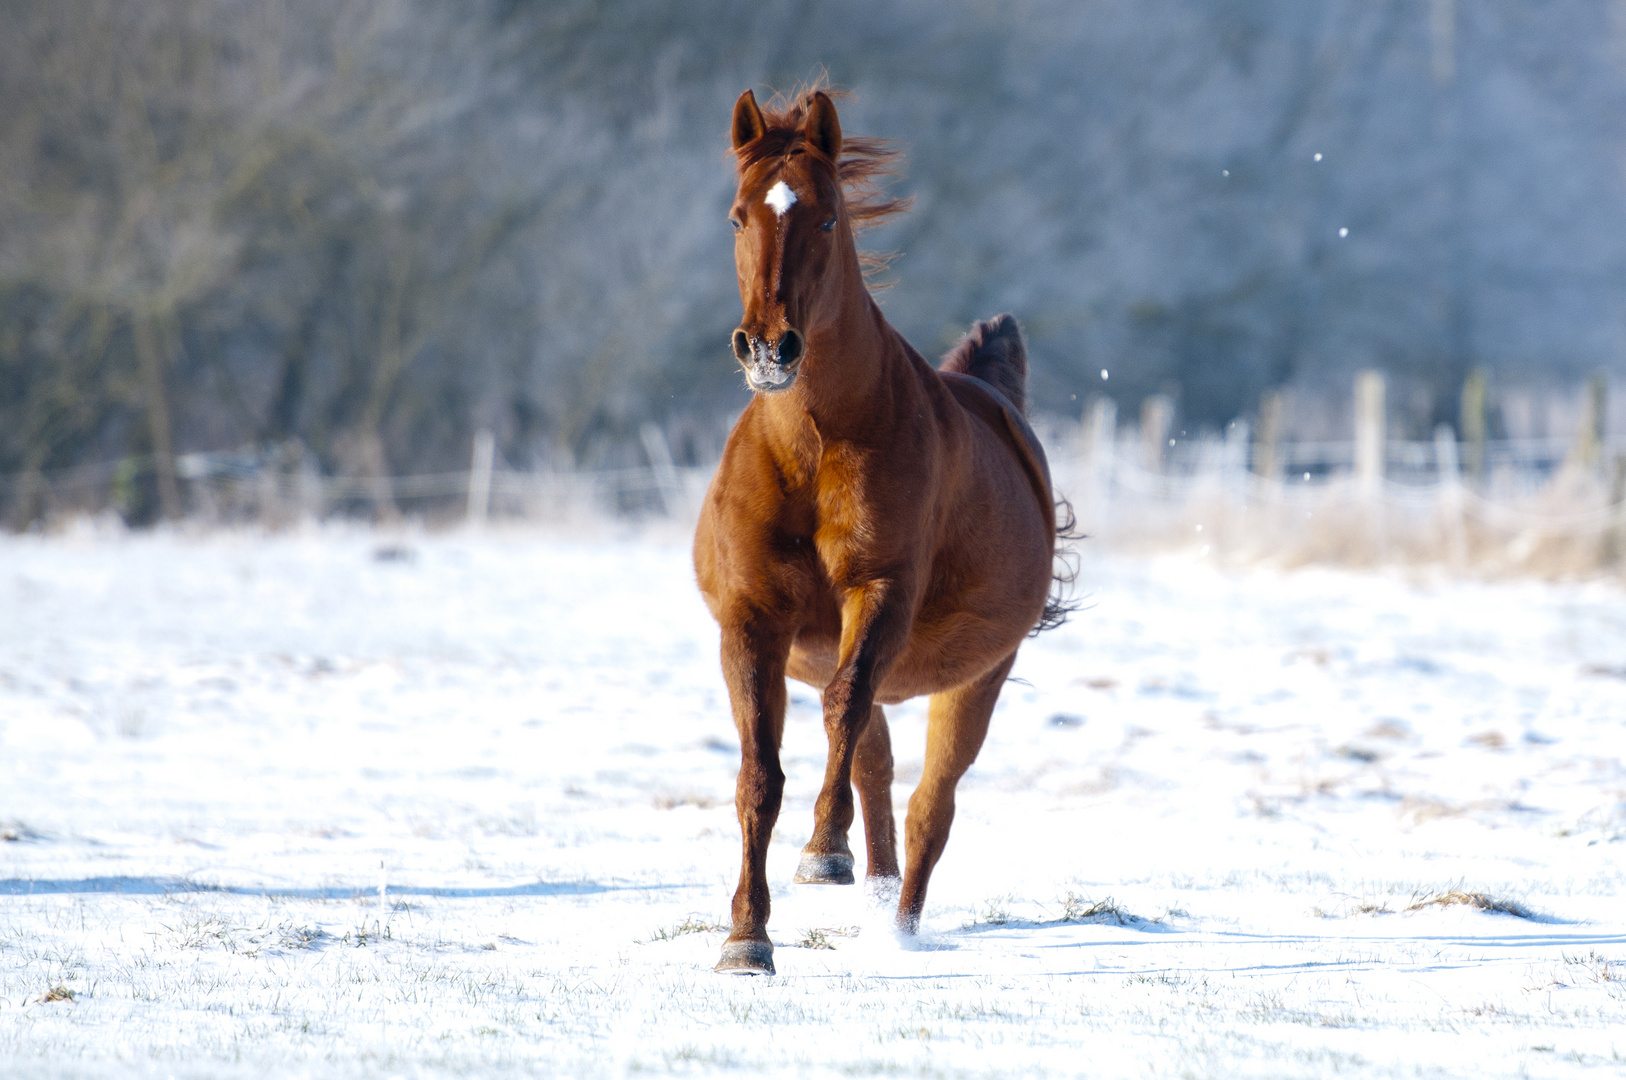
point(1201, 840)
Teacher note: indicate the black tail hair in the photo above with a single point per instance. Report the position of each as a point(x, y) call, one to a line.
point(1061, 602)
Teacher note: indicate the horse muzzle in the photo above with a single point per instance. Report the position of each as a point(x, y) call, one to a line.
point(769, 367)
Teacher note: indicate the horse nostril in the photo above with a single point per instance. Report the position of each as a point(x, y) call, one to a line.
point(790, 347)
point(742, 345)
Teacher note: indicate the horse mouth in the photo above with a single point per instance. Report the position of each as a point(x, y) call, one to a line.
point(769, 377)
point(769, 368)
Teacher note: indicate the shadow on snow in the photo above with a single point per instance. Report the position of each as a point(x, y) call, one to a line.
point(163, 886)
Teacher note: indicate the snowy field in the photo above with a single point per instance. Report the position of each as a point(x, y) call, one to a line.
point(1210, 835)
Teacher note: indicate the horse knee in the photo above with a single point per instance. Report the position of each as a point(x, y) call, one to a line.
point(931, 812)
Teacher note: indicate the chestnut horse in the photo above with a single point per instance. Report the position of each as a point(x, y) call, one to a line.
point(877, 528)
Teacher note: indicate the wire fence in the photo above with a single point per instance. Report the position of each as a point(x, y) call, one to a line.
point(1537, 506)
point(1534, 504)
point(282, 484)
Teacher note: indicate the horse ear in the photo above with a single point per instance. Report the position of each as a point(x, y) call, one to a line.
point(821, 128)
point(748, 125)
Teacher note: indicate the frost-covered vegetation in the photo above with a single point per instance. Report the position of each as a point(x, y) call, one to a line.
point(355, 232)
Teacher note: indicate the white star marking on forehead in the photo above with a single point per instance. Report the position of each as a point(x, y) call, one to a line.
point(781, 198)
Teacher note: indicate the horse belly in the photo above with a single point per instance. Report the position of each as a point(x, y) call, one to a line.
point(813, 660)
point(938, 656)
point(948, 653)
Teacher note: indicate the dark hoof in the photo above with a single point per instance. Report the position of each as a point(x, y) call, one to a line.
point(824, 869)
point(746, 958)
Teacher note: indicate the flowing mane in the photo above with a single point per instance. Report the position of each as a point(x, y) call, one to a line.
point(864, 166)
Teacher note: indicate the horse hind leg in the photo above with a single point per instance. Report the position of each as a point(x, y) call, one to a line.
point(872, 777)
point(956, 726)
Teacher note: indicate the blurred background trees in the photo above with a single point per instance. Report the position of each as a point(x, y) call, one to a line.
point(356, 231)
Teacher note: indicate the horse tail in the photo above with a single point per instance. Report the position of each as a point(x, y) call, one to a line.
point(994, 352)
point(1062, 602)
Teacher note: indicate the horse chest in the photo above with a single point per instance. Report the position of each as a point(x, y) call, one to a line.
point(849, 543)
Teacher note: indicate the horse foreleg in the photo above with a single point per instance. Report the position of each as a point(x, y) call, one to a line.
point(755, 671)
point(871, 630)
point(956, 725)
point(872, 776)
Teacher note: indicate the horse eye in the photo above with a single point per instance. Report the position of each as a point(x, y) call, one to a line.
point(734, 221)
point(828, 225)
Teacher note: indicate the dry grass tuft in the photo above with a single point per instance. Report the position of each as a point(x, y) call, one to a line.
point(819, 937)
point(994, 913)
point(1416, 810)
point(291, 936)
point(1077, 909)
point(694, 924)
point(671, 800)
point(1473, 900)
point(1595, 968)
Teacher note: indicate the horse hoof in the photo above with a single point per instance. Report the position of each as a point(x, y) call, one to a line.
point(746, 958)
point(825, 870)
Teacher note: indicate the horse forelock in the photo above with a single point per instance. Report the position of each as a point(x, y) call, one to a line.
point(865, 163)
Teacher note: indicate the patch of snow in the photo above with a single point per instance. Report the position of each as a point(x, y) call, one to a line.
point(216, 750)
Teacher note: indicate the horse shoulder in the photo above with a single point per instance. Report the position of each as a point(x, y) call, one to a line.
point(752, 543)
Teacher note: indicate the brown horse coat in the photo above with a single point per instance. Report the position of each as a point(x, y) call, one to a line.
point(876, 528)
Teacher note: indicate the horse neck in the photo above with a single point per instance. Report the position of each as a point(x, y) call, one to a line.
point(855, 365)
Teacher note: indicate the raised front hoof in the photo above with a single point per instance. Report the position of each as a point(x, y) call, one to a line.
point(746, 958)
point(825, 870)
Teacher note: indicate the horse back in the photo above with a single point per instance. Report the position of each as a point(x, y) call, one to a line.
point(994, 409)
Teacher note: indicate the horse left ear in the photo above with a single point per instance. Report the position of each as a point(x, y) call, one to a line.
point(748, 125)
point(821, 128)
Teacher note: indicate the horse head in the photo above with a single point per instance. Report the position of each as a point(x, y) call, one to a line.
point(793, 245)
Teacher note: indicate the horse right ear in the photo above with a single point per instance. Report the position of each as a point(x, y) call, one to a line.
point(748, 125)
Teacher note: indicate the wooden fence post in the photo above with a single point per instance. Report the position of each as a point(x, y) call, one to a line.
point(1100, 436)
point(1370, 434)
point(660, 461)
point(1371, 445)
point(1473, 425)
point(1101, 430)
point(1267, 435)
point(1156, 417)
point(1234, 463)
point(1450, 473)
point(485, 452)
point(1587, 453)
point(153, 354)
point(1617, 511)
